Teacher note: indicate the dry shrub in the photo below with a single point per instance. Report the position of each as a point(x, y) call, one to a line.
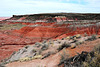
point(94, 60)
point(64, 55)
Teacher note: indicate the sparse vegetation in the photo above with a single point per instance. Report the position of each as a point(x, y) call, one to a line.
point(64, 45)
point(85, 59)
point(45, 47)
point(93, 60)
point(93, 37)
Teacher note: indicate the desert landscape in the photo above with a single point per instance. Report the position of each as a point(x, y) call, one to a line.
point(50, 40)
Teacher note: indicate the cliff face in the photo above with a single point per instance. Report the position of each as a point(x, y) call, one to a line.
point(56, 17)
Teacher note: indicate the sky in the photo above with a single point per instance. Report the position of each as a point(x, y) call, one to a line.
point(21, 7)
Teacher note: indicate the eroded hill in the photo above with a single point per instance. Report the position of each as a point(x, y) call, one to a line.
point(46, 37)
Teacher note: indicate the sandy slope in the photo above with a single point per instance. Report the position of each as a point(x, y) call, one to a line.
point(53, 60)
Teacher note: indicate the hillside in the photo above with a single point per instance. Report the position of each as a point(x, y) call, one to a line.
point(3, 18)
point(45, 39)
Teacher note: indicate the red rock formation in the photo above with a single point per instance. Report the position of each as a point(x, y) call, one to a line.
point(89, 31)
point(39, 32)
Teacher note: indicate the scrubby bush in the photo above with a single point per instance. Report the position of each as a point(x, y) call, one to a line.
point(37, 44)
point(64, 45)
point(45, 47)
point(64, 55)
point(93, 61)
point(93, 37)
point(85, 59)
point(24, 59)
point(26, 46)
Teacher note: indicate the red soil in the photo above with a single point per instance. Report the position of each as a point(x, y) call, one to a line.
point(89, 31)
point(45, 24)
point(11, 39)
point(22, 18)
point(7, 50)
point(41, 32)
point(28, 23)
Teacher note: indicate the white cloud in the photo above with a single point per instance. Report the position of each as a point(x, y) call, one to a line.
point(10, 7)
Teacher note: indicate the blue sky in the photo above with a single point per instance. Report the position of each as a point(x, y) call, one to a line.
point(19, 7)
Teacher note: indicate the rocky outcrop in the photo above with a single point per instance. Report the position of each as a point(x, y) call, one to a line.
point(56, 17)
